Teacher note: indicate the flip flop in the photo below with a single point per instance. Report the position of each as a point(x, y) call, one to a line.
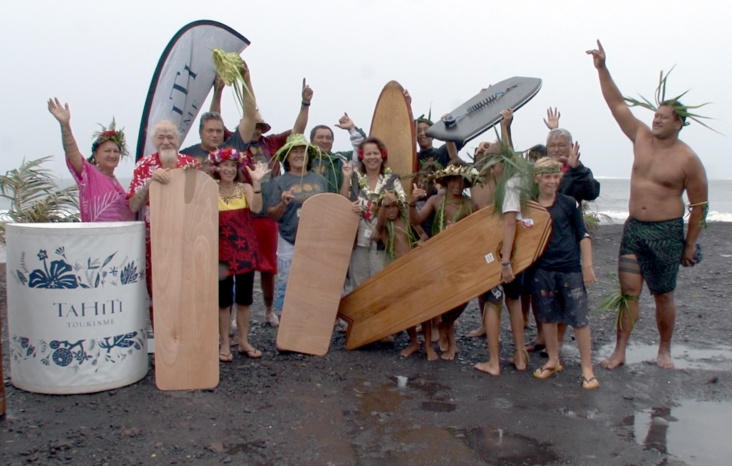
point(226, 357)
point(252, 353)
point(590, 384)
point(533, 347)
point(544, 373)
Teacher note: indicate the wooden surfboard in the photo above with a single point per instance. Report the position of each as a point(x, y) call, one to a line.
point(448, 270)
point(184, 222)
point(393, 124)
point(483, 110)
point(319, 265)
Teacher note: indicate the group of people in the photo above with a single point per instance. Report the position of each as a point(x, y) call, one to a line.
point(264, 181)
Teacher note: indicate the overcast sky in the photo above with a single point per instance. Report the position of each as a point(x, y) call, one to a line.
point(99, 56)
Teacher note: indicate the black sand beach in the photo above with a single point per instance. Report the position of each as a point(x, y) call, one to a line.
point(370, 407)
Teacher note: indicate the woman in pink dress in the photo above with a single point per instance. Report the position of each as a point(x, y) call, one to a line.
point(101, 197)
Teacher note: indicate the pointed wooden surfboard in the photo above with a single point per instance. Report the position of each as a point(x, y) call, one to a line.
point(448, 270)
point(320, 260)
point(393, 124)
point(184, 223)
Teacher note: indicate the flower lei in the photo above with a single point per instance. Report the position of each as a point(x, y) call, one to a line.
point(372, 196)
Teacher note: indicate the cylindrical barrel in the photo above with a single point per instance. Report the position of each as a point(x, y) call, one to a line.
point(77, 306)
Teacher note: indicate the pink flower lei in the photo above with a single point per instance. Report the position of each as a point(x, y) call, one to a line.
point(222, 155)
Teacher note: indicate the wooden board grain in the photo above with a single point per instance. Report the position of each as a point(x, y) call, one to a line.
point(393, 124)
point(482, 111)
point(448, 270)
point(323, 249)
point(184, 221)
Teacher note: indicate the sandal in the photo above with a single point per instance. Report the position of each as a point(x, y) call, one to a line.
point(590, 384)
point(533, 347)
point(544, 373)
point(251, 353)
point(226, 357)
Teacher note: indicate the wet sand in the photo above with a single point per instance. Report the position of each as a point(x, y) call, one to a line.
point(369, 406)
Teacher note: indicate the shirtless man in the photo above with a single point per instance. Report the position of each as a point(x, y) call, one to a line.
point(653, 242)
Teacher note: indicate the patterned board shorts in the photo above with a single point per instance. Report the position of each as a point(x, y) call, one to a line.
point(560, 297)
point(658, 246)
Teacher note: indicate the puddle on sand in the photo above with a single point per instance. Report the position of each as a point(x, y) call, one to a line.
point(684, 356)
point(694, 431)
point(496, 446)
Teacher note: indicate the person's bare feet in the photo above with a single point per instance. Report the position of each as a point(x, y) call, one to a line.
point(664, 359)
point(478, 332)
point(520, 360)
point(443, 343)
point(271, 318)
point(409, 350)
point(615, 360)
point(431, 353)
point(487, 367)
point(449, 355)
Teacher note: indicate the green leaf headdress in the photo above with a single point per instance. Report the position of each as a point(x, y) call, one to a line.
point(683, 111)
point(515, 167)
point(296, 140)
point(423, 119)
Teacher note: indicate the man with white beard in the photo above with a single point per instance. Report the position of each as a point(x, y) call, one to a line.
point(154, 168)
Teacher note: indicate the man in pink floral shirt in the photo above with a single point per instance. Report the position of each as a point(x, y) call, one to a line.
point(154, 168)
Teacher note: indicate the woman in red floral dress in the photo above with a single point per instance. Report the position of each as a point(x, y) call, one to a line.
point(238, 255)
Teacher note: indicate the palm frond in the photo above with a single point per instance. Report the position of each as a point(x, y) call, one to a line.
point(34, 196)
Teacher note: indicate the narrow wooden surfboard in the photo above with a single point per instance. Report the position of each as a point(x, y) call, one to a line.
point(320, 260)
point(483, 110)
point(184, 222)
point(448, 270)
point(393, 124)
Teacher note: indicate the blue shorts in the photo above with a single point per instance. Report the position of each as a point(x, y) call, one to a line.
point(560, 297)
point(494, 295)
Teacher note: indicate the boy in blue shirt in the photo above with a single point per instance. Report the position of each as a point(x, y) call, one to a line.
point(559, 276)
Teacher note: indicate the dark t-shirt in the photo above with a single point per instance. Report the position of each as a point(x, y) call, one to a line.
point(198, 153)
point(439, 154)
point(562, 254)
point(302, 187)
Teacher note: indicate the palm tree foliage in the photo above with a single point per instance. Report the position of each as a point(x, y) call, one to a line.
point(35, 197)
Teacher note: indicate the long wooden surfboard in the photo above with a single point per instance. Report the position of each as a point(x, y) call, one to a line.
point(483, 110)
point(393, 124)
point(319, 265)
point(448, 270)
point(184, 221)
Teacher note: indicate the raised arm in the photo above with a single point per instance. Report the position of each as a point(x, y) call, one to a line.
point(507, 115)
point(629, 124)
point(552, 118)
point(218, 89)
point(63, 115)
point(452, 151)
point(249, 120)
point(253, 192)
point(697, 190)
point(416, 217)
point(302, 118)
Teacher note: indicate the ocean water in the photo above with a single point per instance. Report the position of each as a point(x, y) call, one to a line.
point(612, 203)
point(614, 194)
